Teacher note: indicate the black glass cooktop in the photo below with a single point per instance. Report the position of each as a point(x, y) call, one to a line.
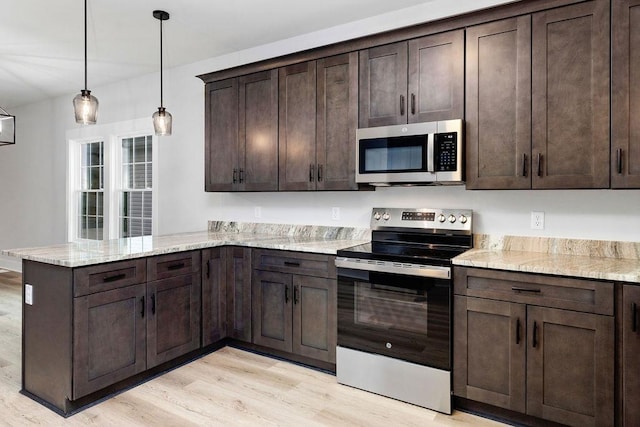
point(402, 253)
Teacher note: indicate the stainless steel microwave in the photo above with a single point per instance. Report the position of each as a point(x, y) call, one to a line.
point(416, 153)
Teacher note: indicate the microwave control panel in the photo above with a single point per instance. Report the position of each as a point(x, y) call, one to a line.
point(446, 151)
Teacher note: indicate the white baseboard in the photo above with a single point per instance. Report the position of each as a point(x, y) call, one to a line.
point(10, 263)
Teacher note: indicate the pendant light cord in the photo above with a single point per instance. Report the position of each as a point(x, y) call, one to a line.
point(85, 44)
point(161, 104)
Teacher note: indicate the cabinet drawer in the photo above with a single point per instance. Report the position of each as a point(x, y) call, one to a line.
point(104, 277)
point(172, 265)
point(589, 296)
point(295, 262)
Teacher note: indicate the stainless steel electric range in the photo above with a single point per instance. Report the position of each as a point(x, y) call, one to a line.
point(394, 305)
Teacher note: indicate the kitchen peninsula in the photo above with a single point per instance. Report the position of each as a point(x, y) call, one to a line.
point(99, 317)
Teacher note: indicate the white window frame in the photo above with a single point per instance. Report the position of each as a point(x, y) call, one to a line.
point(112, 136)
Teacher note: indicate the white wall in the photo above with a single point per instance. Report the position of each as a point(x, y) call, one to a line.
point(33, 172)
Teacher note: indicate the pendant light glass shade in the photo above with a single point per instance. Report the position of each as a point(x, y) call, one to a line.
point(7, 128)
point(162, 119)
point(85, 105)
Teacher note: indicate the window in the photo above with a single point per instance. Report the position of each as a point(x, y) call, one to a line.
point(91, 194)
point(110, 184)
point(136, 200)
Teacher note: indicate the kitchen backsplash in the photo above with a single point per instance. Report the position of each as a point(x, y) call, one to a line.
point(581, 247)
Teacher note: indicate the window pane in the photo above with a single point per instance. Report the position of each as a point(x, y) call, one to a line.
point(100, 204)
point(149, 175)
point(146, 227)
point(137, 174)
point(149, 150)
point(147, 205)
point(139, 154)
point(125, 227)
point(127, 150)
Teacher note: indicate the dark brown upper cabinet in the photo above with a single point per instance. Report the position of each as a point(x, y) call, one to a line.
point(241, 133)
point(318, 117)
point(415, 81)
point(570, 96)
point(498, 105)
point(297, 126)
point(625, 90)
point(537, 105)
point(337, 119)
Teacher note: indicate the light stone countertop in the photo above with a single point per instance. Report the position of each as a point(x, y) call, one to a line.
point(325, 240)
point(592, 259)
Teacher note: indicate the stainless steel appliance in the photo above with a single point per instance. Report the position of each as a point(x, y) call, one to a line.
point(394, 305)
point(416, 153)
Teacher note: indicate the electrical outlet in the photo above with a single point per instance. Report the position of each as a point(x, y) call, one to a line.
point(28, 294)
point(257, 212)
point(335, 214)
point(537, 220)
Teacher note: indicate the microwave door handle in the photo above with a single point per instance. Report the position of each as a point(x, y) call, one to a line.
point(430, 153)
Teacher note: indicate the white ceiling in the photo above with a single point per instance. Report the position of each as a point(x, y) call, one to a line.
point(42, 48)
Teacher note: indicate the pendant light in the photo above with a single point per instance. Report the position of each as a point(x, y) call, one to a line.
point(7, 128)
point(85, 105)
point(162, 119)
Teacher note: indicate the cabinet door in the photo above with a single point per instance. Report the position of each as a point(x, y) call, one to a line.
point(489, 352)
point(570, 87)
point(173, 323)
point(221, 135)
point(630, 352)
point(570, 362)
point(297, 124)
point(337, 119)
point(383, 85)
point(214, 295)
point(258, 132)
point(625, 108)
point(436, 77)
point(109, 338)
point(239, 293)
point(272, 296)
point(315, 321)
point(498, 105)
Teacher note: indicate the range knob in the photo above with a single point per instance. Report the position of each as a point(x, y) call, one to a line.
point(452, 218)
point(377, 216)
point(442, 218)
point(385, 216)
point(463, 219)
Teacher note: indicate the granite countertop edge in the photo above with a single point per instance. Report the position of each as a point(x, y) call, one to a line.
point(80, 254)
point(565, 265)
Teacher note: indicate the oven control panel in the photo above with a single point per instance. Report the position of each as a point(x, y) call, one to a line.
point(425, 218)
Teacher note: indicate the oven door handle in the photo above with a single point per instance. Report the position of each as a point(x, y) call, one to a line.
point(406, 269)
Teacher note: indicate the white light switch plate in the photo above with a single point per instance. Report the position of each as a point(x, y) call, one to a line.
point(28, 294)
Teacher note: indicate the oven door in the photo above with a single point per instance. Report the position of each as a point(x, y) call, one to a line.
point(396, 315)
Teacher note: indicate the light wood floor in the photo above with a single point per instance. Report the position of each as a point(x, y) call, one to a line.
point(229, 387)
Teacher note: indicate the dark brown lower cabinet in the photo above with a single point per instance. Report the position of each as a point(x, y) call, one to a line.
point(315, 317)
point(91, 328)
point(173, 319)
point(630, 355)
point(214, 295)
point(292, 312)
point(272, 297)
point(109, 338)
point(516, 353)
point(489, 352)
point(238, 284)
